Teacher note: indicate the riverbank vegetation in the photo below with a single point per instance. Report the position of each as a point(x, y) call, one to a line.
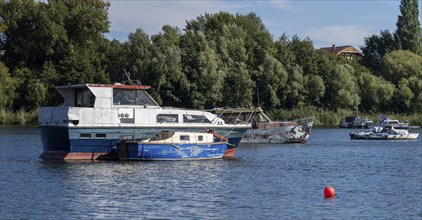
point(333, 118)
point(217, 60)
point(20, 117)
point(322, 117)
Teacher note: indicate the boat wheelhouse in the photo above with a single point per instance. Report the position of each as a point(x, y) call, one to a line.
point(95, 117)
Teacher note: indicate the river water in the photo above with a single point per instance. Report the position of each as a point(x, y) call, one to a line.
point(372, 179)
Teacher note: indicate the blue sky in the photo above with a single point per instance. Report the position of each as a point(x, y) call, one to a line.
point(326, 22)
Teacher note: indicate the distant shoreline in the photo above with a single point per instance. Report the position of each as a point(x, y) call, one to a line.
point(323, 118)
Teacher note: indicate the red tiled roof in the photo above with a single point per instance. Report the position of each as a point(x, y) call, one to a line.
point(338, 49)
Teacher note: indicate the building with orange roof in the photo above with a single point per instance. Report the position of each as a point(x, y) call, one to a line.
point(347, 52)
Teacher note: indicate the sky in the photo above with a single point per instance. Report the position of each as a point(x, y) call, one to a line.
point(325, 22)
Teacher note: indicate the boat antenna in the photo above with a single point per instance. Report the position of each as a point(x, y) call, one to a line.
point(129, 81)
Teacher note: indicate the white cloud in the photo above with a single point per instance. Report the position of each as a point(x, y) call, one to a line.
point(339, 35)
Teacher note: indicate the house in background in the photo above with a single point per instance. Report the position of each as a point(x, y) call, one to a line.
point(347, 52)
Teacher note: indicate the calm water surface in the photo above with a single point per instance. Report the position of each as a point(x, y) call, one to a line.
point(372, 179)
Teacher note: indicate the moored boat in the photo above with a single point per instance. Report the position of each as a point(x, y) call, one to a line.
point(264, 130)
point(384, 133)
point(397, 124)
point(95, 117)
point(355, 122)
point(173, 145)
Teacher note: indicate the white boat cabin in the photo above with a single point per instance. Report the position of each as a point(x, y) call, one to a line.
point(181, 137)
point(116, 104)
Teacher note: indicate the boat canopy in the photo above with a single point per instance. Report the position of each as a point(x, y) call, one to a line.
point(237, 115)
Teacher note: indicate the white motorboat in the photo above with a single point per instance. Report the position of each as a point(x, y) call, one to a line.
point(384, 133)
point(385, 121)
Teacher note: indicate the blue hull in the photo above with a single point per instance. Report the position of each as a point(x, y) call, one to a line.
point(148, 151)
point(100, 143)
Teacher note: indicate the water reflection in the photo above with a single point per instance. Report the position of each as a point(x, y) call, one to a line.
point(157, 188)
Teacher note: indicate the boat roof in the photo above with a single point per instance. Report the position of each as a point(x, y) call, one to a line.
point(237, 110)
point(115, 85)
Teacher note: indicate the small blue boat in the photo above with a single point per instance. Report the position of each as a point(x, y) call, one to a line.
point(173, 145)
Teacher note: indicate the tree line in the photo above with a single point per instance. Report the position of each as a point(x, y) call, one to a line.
point(218, 59)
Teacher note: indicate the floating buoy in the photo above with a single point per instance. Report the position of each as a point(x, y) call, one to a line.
point(329, 192)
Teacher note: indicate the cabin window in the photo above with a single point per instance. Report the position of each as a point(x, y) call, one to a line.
point(132, 97)
point(195, 119)
point(167, 118)
point(184, 137)
point(84, 136)
point(84, 98)
point(200, 138)
point(100, 136)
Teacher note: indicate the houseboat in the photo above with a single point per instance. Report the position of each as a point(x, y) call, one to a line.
point(355, 122)
point(95, 117)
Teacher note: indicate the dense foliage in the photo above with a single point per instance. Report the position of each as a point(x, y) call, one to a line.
point(218, 59)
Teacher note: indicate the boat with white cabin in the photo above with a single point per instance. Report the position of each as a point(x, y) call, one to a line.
point(95, 117)
point(397, 124)
point(355, 122)
point(384, 133)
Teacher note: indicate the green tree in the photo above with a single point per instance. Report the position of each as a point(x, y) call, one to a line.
point(376, 93)
point(314, 89)
point(32, 34)
point(283, 52)
point(270, 79)
point(242, 44)
point(30, 93)
point(231, 46)
point(116, 60)
point(206, 80)
point(375, 48)
point(239, 86)
point(403, 96)
point(415, 85)
point(204, 70)
point(258, 41)
point(305, 54)
point(142, 56)
point(341, 89)
point(404, 65)
point(401, 64)
point(384, 95)
point(85, 24)
point(173, 84)
point(56, 42)
point(409, 34)
point(7, 87)
point(294, 88)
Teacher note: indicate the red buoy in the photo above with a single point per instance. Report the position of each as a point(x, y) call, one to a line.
point(329, 192)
